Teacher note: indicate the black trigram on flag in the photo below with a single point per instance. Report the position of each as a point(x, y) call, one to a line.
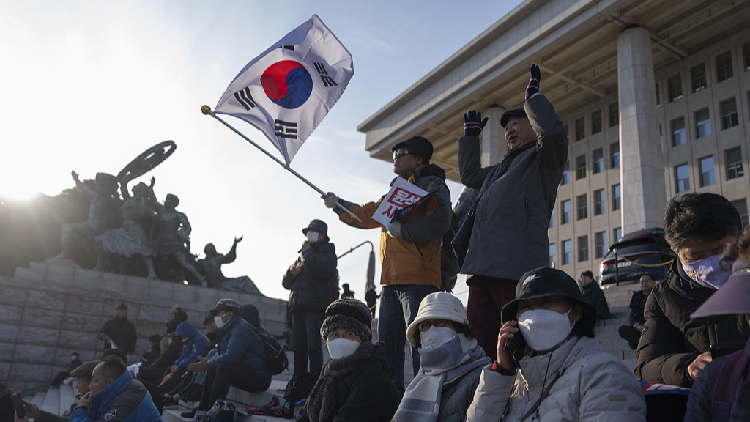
point(244, 98)
point(286, 129)
point(327, 80)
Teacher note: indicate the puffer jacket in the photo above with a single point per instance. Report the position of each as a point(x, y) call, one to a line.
point(415, 257)
point(671, 339)
point(317, 285)
point(510, 231)
point(240, 345)
point(593, 386)
point(699, 408)
point(457, 396)
point(125, 399)
point(194, 346)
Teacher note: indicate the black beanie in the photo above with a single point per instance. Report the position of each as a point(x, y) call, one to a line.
point(349, 314)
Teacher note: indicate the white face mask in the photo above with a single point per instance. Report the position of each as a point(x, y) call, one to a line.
point(435, 337)
point(312, 236)
point(219, 321)
point(341, 347)
point(544, 329)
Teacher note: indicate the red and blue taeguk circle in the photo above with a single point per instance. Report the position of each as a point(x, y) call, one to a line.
point(287, 83)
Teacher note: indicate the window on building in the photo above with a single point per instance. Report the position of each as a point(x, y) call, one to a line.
point(596, 122)
point(580, 167)
point(580, 129)
point(583, 248)
point(616, 197)
point(617, 234)
point(679, 134)
point(674, 88)
point(698, 77)
point(614, 155)
point(741, 205)
point(702, 123)
point(600, 244)
point(582, 206)
point(552, 255)
point(661, 139)
point(552, 217)
point(729, 116)
point(565, 214)
point(733, 160)
point(599, 200)
point(746, 54)
point(706, 165)
point(724, 66)
point(566, 174)
point(567, 252)
point(658, 102)
point(682, 178)
point(598, 157)
point(614, 114)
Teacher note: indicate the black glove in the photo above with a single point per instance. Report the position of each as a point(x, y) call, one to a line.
point(533, 86)
point(473, 123)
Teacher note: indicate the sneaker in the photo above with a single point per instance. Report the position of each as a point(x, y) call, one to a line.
point(188, 414)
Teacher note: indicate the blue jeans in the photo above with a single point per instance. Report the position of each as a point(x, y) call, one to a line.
point(306, 340)
point(398, 308)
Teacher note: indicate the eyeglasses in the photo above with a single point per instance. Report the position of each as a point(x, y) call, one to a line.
point(341, 334)
point(401, 152)
point(425, 325)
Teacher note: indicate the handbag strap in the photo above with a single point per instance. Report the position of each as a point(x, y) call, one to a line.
point(544, 394)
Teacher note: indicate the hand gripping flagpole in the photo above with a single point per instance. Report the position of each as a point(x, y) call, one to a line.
point(207, 111)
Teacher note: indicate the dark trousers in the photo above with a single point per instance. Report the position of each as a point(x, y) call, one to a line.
point(307, 342)
point(487, 296)
point(59, 378)
point(225, 376)
point(631, 334)
point(152, 374)
point(172, 382)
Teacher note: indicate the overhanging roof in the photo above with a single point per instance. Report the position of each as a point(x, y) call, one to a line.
point(574, 42)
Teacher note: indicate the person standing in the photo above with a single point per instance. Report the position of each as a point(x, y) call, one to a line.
point(636, 320)
point(515, 203)
point(410, 249)
point(121, 331)
point(313, 281)
point(594, 295)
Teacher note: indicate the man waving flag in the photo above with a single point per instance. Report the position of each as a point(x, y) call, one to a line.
point(286, 91)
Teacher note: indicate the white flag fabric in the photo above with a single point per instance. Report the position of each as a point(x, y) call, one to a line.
point(287, 91)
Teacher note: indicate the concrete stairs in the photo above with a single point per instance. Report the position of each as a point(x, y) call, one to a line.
point(54, 400)
point(618, 299)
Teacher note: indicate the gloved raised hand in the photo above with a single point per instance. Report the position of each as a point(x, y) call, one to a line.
point(330, 200)
point(533, 86)
point(473, 123)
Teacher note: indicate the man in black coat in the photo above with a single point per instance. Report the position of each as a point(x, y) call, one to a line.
point(674, 346)
point(121, 331)
point(178, 317)
point(313, 281)
point(594, 295)
point(75, 362)
point(632, 331)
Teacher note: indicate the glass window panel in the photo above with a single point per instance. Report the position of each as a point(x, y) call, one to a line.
point(698, 77)
point(729, 117)
point(724, 66)
point(598, 156)
point(682, 178)
point(708, 177)
point(679, 134)
point(674, 86)
point(702, 123)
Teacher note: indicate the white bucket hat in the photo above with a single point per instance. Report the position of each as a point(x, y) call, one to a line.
point(439, 305)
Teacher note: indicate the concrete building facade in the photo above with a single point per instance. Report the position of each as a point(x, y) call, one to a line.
point(655, 96)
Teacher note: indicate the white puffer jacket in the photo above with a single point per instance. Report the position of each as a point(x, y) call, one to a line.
point(593, 386)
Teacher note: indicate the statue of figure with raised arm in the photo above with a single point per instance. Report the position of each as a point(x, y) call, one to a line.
point(174, 235)
point(210, 266)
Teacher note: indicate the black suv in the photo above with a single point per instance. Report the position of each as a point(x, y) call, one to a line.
point(645, 247)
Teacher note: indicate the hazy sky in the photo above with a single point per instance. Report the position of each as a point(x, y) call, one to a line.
point(89, 85)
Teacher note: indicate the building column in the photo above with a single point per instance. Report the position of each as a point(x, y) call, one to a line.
point(641, 169)
point(494, 146)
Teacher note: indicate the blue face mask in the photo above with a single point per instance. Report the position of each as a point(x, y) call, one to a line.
point(707, 272)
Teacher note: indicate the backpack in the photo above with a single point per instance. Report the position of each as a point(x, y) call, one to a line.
point(725, 387)
point(277, 360)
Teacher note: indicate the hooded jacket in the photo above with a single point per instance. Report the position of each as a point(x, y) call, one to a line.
point(415, 257)
point(594, 386)
point(671, 338)
point(240, 345)
point(124, 400)
point(194, 346)
point(510, 230)
point(317, 285)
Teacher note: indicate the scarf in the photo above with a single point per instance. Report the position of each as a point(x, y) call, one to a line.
point(321, 406)
point(439, 366)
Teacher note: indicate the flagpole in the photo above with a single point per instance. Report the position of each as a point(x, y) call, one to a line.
point(207, 111)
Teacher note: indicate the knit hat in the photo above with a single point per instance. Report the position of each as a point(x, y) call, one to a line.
point(546, 282)
point(229, 305)
point(518, 111)
point(318, 225)
point(418, 145)
point(85, 370)
point(122, 306)
point(349, 314)
point(439, 305)
point(733, 297)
